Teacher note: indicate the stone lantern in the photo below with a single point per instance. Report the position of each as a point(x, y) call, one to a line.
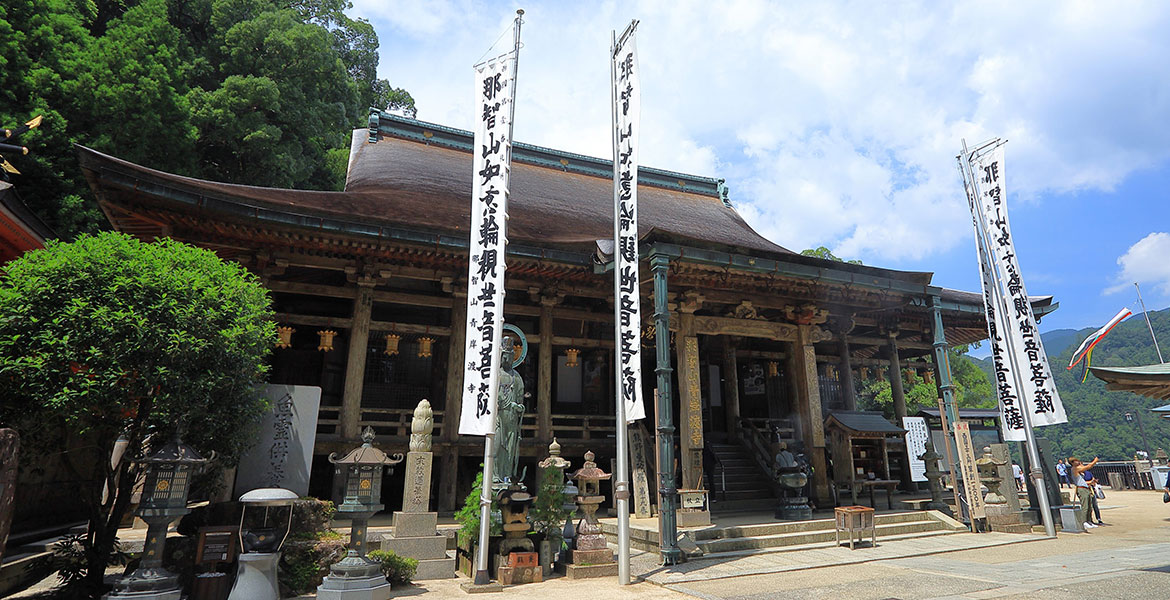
point(934, 476)
point(356, 576)
point(591, 557)
point(164, 499)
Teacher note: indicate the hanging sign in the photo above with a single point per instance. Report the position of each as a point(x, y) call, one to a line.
point(626, 97)
point(1013, 316)
point(492, 153)
point(916, 435)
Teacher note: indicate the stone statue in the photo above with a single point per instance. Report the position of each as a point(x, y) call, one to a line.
point(421, 427)
point(510, 410)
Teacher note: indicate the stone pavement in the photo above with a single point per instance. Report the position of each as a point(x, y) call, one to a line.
point(1128, 559)
point(819, 556)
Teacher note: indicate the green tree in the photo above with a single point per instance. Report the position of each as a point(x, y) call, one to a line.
point(971, 388)
point(107, 337)
point(825, 253)
point(262, 92)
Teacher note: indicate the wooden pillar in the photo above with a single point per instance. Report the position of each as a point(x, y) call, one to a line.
point(731, 386)
point(812, 424)
point(453, 405)
point(846, 375)
point(895, 373)
point(691, 402)
point(544, 372)
point(355, 362)
point(899, 395)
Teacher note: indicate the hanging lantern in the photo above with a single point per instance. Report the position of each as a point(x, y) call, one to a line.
point(773, 368)
point(571, 357)
point(284, 336)
point(864, 373)
point(424, 346)
point(516, 350)
point(392, 340)
point(929, 376)
point(326, 344)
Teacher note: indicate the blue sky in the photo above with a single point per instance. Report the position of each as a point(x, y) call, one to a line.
point(837, 123)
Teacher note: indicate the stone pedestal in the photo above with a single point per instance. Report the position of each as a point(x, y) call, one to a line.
point(1001, 518)
point(415, 536)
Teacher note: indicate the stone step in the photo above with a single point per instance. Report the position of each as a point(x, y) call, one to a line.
point(435, 568)
point(433, 546)
point(734, 495)
point(724, 507)
point(781, 527)
point(815, 545)
point(811, 537)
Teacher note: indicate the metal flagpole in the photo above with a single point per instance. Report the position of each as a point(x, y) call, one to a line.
point(1146, 314)
point(1036, 471)
point(621, 483)
point(482, 577)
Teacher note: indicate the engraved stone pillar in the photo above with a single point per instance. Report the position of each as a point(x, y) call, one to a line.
point(415, 532)
point(355, 363)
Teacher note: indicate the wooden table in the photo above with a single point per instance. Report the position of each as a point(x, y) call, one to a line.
point(889, 484)
point(854, 521)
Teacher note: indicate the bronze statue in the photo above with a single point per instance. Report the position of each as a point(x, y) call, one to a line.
point(510, 410)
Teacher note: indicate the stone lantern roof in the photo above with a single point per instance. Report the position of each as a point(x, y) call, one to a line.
point(366, 454)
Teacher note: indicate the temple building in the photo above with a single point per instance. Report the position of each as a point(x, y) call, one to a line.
point(369, 287)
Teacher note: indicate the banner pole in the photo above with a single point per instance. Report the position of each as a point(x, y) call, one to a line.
point(1036, 472)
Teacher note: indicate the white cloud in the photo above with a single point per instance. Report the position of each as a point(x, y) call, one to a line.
point(834, 123)
point(1145, 262)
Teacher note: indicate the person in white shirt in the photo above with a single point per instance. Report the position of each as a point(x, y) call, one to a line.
point(1018, 473)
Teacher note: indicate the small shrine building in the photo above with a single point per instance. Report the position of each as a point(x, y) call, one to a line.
point(369, 285)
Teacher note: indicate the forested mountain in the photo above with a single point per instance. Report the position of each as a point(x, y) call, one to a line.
point(1097, 425)
point(263, 92)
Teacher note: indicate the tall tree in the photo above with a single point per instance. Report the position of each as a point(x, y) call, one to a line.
point(247, 91)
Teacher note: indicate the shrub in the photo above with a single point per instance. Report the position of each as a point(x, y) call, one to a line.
point(468, 516)
point(399, 570)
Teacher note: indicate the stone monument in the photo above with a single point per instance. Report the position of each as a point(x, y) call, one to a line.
point(9, 447)
point(934, 476)
point(415, 526)
point(510, 410)
point(1003, 501)
point(592, 557)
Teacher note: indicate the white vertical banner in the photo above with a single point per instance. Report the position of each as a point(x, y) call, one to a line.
point(627, 101)
point(491, 151)
point(1012, 317)
point(1010, 419)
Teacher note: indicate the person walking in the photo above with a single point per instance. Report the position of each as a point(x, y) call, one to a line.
point(1062, 471)
point(1077, 471)
point(1018, 473)
point(1094, 493)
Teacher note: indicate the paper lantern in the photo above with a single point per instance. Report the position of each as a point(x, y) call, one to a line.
point(571, 357)
point(284, 336)
point(326, 343)
point(392, 340)
point(424, 346)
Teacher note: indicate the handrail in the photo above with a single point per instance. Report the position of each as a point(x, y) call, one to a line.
point(710, 454)
point(756, 442)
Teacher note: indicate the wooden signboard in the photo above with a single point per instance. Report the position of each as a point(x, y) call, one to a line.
point(216, 545)
point(971, 485)
point(638, 469)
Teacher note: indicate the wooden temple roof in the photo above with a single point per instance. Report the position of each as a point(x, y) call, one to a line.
point(20, 229)
point(406, 202)
point(1152, 381)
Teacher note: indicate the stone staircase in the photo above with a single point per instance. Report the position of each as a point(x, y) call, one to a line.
point(817, 532)
point(741, 485)
point(718, 541)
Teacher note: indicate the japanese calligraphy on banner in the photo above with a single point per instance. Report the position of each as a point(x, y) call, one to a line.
point(492, 153)
point(627, 306)
point(1011, 324)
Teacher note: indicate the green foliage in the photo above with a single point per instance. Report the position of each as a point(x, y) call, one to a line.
point(825, 253)
point(244, 91)
point(67, 557)
point(304, 564)
point(310, 519)
point(1096, 417)
point(399, 570)
point(971, 387)
point(468, 515)
point(108, 336)
point(547, 512)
